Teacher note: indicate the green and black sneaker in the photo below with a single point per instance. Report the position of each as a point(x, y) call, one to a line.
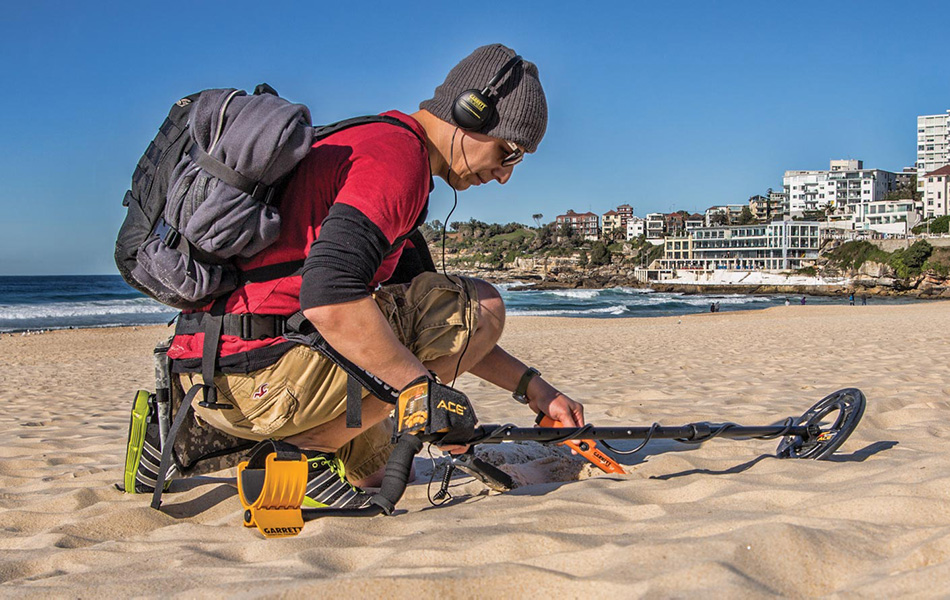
point(143, 453)
point(327, 486)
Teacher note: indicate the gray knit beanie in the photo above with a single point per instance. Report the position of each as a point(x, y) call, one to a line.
point(522, 108)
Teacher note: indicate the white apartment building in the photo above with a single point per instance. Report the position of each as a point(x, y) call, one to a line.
point(779, 245)
point(936, 189)
point(896, 217)
point(933, 144)
point(635, 227)
point(846, 184)
point(655, 227)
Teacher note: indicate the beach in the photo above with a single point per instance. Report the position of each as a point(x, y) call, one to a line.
point(724, 517)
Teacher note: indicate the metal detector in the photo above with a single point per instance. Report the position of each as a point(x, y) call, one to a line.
point(816, 434)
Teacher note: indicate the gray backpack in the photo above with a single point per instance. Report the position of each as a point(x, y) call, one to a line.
point(205, 192)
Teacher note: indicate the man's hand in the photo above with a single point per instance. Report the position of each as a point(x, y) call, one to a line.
point(560, 408)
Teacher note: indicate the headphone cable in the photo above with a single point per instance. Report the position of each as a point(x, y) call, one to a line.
point(461, 286)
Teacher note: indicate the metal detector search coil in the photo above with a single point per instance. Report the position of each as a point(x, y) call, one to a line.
point(819, 443)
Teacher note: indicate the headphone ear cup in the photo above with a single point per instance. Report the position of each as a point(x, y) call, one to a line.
point(472, 110)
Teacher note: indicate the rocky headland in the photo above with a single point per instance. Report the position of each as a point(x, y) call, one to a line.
point(871, 279)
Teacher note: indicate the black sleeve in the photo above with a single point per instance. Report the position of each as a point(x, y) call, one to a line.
point(343, 260)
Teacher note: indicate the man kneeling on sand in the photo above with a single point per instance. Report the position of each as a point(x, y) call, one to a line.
point(347, 211)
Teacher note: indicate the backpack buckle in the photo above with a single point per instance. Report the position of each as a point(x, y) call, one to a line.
point(168, 234)
point(211, 399)
point(246, 326)
point(264, 193)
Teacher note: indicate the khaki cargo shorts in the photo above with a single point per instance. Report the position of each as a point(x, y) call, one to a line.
point(433, 316)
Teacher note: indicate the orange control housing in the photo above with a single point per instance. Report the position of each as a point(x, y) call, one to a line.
point(586, 448)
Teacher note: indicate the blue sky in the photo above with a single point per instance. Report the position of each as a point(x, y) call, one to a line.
point(662, 105)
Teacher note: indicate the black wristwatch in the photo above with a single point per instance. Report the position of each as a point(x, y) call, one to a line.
point(521, 393)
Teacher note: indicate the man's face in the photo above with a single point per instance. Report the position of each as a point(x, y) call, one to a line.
point(478, 159)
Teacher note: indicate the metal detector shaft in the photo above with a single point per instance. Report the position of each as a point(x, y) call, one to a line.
point(496, 434)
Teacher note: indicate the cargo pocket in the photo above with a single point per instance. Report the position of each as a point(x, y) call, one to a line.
point(259, 409)
point(438, 316)
point(276, 407)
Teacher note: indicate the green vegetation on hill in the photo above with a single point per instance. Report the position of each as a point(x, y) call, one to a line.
point(907, 262)
point(938, 225)
point(851, 255)
point(473, 243)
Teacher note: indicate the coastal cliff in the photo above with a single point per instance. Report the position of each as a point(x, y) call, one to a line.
point(533, 259)
point(870, 279)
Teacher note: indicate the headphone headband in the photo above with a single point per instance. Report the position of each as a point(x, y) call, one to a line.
point(490, 90)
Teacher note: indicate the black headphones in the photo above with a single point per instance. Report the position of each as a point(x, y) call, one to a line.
point(474, 109)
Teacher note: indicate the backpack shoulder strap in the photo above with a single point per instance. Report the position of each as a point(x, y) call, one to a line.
point(325, 131)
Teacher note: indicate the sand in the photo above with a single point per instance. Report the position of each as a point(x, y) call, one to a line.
point(724, 517)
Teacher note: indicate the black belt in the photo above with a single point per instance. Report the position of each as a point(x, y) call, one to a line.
point(247, 326)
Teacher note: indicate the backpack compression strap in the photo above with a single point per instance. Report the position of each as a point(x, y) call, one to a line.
point(168, 448)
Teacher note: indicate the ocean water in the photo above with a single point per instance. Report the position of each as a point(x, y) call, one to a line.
point(34, 303)
point(644, 302)
point(41, 302)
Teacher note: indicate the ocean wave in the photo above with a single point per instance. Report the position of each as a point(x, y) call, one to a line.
point(614, 310)
point(578, 294)
point(728, 300)
point(56, 310)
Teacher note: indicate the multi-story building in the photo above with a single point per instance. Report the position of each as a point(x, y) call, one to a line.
point(779, 245)
point(587, 224)
point(766, 208)
point(845, 184)
point(695, 221)
point(933, 144)
point(674, 223)
point(635, 227)
point(611, 221)
point(679, 249)
point(778, 201)
point(936, 189)
point(626, 213)
point(730, 214)
point(888, 216)
point(654, 228)
point(905, 177)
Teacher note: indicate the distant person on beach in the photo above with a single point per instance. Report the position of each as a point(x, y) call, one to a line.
point(864, 300)
point(851, 299)
point(349, 213)
point(787, 302)
point(803, 301)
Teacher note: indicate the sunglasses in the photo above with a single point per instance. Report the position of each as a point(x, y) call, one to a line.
point(516, 156)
